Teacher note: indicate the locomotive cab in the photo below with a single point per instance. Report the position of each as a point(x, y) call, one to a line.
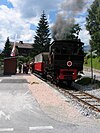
point(66, 60)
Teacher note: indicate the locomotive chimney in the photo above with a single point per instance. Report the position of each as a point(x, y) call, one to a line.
point(21, 42)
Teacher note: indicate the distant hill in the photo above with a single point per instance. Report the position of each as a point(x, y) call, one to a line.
point(87, 48)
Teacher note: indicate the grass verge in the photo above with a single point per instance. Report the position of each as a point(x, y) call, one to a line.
point(95, 62)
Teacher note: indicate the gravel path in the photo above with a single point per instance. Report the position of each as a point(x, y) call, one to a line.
point(54, 104)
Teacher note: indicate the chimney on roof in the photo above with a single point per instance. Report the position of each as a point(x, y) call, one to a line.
point(21, 42)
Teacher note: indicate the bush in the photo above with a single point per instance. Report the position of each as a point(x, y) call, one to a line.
point(24, 59)
point(94, 56)
point(87, 81)
point(98, 83)
point(85, 61)
point(84, 81)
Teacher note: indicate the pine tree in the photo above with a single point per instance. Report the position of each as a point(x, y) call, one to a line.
point(7, 48)
point(42, 39)
point(93, 25)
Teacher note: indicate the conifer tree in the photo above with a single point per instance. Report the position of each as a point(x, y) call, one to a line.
point(42, 39)
point(7, 48)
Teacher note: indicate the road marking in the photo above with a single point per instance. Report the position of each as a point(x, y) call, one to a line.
point(26, 92)
point(40, 128)
point(0, 80)
point(7, 117)
point(6, 129)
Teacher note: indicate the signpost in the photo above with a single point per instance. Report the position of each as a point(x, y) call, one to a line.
point(91, 67)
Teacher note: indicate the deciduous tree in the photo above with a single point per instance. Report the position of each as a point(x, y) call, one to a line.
point(93, 25)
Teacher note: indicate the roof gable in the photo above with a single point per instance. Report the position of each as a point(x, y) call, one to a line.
point(23, 45)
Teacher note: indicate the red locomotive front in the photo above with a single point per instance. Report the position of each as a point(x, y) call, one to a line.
point(63, 62)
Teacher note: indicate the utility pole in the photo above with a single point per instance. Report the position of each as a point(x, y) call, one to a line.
point(91, 67)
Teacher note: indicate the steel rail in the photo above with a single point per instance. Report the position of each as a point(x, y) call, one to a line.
point(92, 96)
point(84, 102)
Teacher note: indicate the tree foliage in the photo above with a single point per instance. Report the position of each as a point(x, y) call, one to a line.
point(42, 39)
point(74, 32)
point(7, 49)
point(93, 25)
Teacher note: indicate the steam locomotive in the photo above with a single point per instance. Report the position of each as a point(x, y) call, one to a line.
point(62, 63)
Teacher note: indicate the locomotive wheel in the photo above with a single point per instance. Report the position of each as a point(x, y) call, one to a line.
point(44, 76)
point(69, 83)
point(59, 83)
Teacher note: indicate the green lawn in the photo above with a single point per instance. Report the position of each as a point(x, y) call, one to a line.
point(96, 63)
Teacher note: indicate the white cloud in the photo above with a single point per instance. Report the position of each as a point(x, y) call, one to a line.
point(11, 24)
point(17, 20)
point(84, 35)
point(33, 8)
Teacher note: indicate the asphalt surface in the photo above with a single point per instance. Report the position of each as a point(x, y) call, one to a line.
point(21, 113)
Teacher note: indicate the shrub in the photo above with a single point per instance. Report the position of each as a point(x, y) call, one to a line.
point(84, 81)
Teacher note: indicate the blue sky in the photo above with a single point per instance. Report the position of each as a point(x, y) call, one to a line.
point(22, 16)
point(6, 3)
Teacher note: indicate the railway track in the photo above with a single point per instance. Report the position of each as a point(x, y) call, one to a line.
point(85, 98)
point(91, 101)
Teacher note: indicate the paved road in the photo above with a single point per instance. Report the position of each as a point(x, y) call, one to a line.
point(20, 112)
point(88, 74)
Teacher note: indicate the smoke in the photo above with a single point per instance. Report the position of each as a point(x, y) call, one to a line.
point(72, 7)
point(66, 17)
point(61, 27)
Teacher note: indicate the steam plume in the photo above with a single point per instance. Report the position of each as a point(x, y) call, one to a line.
point(66, 17)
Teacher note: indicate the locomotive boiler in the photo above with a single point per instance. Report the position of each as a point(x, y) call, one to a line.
point(62, 63)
